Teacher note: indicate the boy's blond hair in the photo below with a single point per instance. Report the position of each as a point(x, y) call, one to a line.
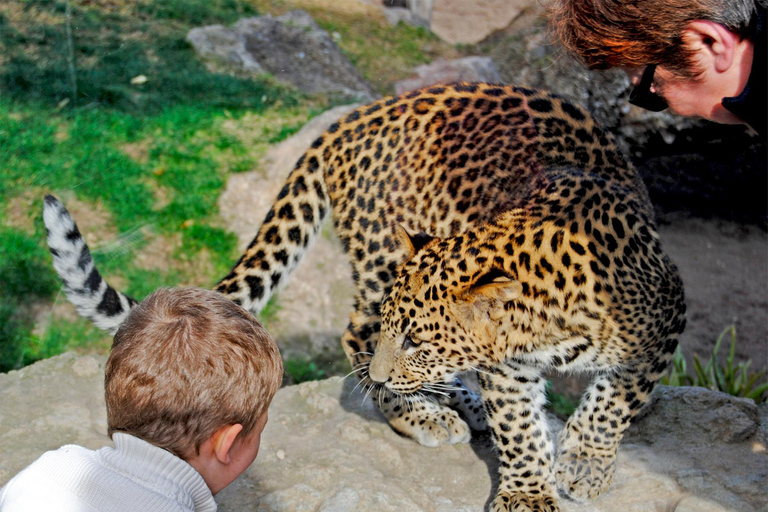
point(185, 363)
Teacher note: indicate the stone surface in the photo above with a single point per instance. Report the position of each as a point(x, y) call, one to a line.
point(326, 448)
point(291, 47)
point(467, 69)
point(459, 21)
point(397, 15)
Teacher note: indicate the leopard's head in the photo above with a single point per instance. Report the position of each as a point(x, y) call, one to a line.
point(443, 314)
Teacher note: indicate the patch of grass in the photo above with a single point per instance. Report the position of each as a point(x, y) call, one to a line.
point(197, 12)
point(383, 54)
point(82, 155)
point(560, 405)
point(25, 276)
point(220, 243)
point(114, 45)
point(729, 377)
point(64, 335)
point(298, 370)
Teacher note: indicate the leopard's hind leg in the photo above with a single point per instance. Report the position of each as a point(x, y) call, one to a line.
point(588, 444)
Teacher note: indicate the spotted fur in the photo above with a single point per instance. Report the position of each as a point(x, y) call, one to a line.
point(490, 228)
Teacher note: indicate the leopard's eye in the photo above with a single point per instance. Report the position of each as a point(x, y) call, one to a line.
point(408, 343)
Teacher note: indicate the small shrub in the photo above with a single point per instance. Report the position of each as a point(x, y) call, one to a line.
point(561, 406)
point(298, 370)
point(729, 377)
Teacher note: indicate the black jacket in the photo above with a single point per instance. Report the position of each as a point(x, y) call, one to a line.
point(751, 104)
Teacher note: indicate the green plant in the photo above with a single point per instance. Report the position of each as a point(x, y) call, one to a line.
point(25, 276)
point(729, 377)
point(560, 405)
point(299, 369)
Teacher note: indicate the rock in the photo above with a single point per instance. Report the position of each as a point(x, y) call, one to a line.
point(326, 448)
point(320, 291)
point(291, 47)
point(396, 15)
point(459, 21)
point(467, 69)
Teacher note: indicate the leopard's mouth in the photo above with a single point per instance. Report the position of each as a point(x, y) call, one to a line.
point(412, 390)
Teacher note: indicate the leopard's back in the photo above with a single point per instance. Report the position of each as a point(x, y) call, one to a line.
point(438, 160)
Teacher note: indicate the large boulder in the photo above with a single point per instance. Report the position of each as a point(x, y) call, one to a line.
point(458, 21)
point(326, 448)
point(291, 47)
point(467, 69)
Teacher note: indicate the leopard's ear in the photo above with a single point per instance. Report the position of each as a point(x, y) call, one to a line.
point(486, 297)
point(496, 285)
point(411, 243)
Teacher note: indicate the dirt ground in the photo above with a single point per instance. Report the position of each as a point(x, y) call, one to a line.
point(724, 267)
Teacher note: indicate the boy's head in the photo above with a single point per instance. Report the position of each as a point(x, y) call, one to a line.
point(186, 363)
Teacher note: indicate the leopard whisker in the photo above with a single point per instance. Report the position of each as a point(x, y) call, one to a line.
point(434, 390)
point(370, 390)
point(478, 370)
point(353, 372)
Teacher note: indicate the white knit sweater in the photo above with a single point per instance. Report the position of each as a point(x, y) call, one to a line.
point(133, 476)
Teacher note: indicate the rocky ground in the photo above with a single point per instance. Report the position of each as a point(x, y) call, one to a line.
point(327, 449)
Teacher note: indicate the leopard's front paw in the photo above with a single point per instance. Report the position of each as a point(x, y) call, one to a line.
point(430, 424)
point(520, 502)
point(583, 476)
point(468, 404)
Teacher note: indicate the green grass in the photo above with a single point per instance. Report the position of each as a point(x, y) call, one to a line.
point(299, 369)
point(729, 376)
point(113, 46)
point(151, 157)
point(25, 275)
point(155, 157)
point(560, 405)
point(82, 155)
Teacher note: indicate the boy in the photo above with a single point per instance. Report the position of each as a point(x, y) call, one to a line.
point(187, 386)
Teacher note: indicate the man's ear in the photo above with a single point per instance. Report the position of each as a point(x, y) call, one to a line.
point(713, 44)
point(223, 439)
point(411, 244)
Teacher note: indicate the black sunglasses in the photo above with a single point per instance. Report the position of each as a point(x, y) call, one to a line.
point(643, 97)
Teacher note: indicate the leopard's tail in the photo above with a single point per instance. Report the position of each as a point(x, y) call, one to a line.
point(285, 236)
point(84, 286)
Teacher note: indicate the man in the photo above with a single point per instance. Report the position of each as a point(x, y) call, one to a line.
point(703, 58)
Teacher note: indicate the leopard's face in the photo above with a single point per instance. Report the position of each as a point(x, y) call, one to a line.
point(441, 318)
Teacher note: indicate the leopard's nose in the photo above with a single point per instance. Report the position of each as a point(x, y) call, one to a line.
point(378, 371)
point(378, 374)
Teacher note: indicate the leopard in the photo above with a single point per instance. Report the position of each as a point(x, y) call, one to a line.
point(490, 228)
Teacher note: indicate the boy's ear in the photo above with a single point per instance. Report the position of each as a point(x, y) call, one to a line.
point(223, 439)
point(713, 43)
